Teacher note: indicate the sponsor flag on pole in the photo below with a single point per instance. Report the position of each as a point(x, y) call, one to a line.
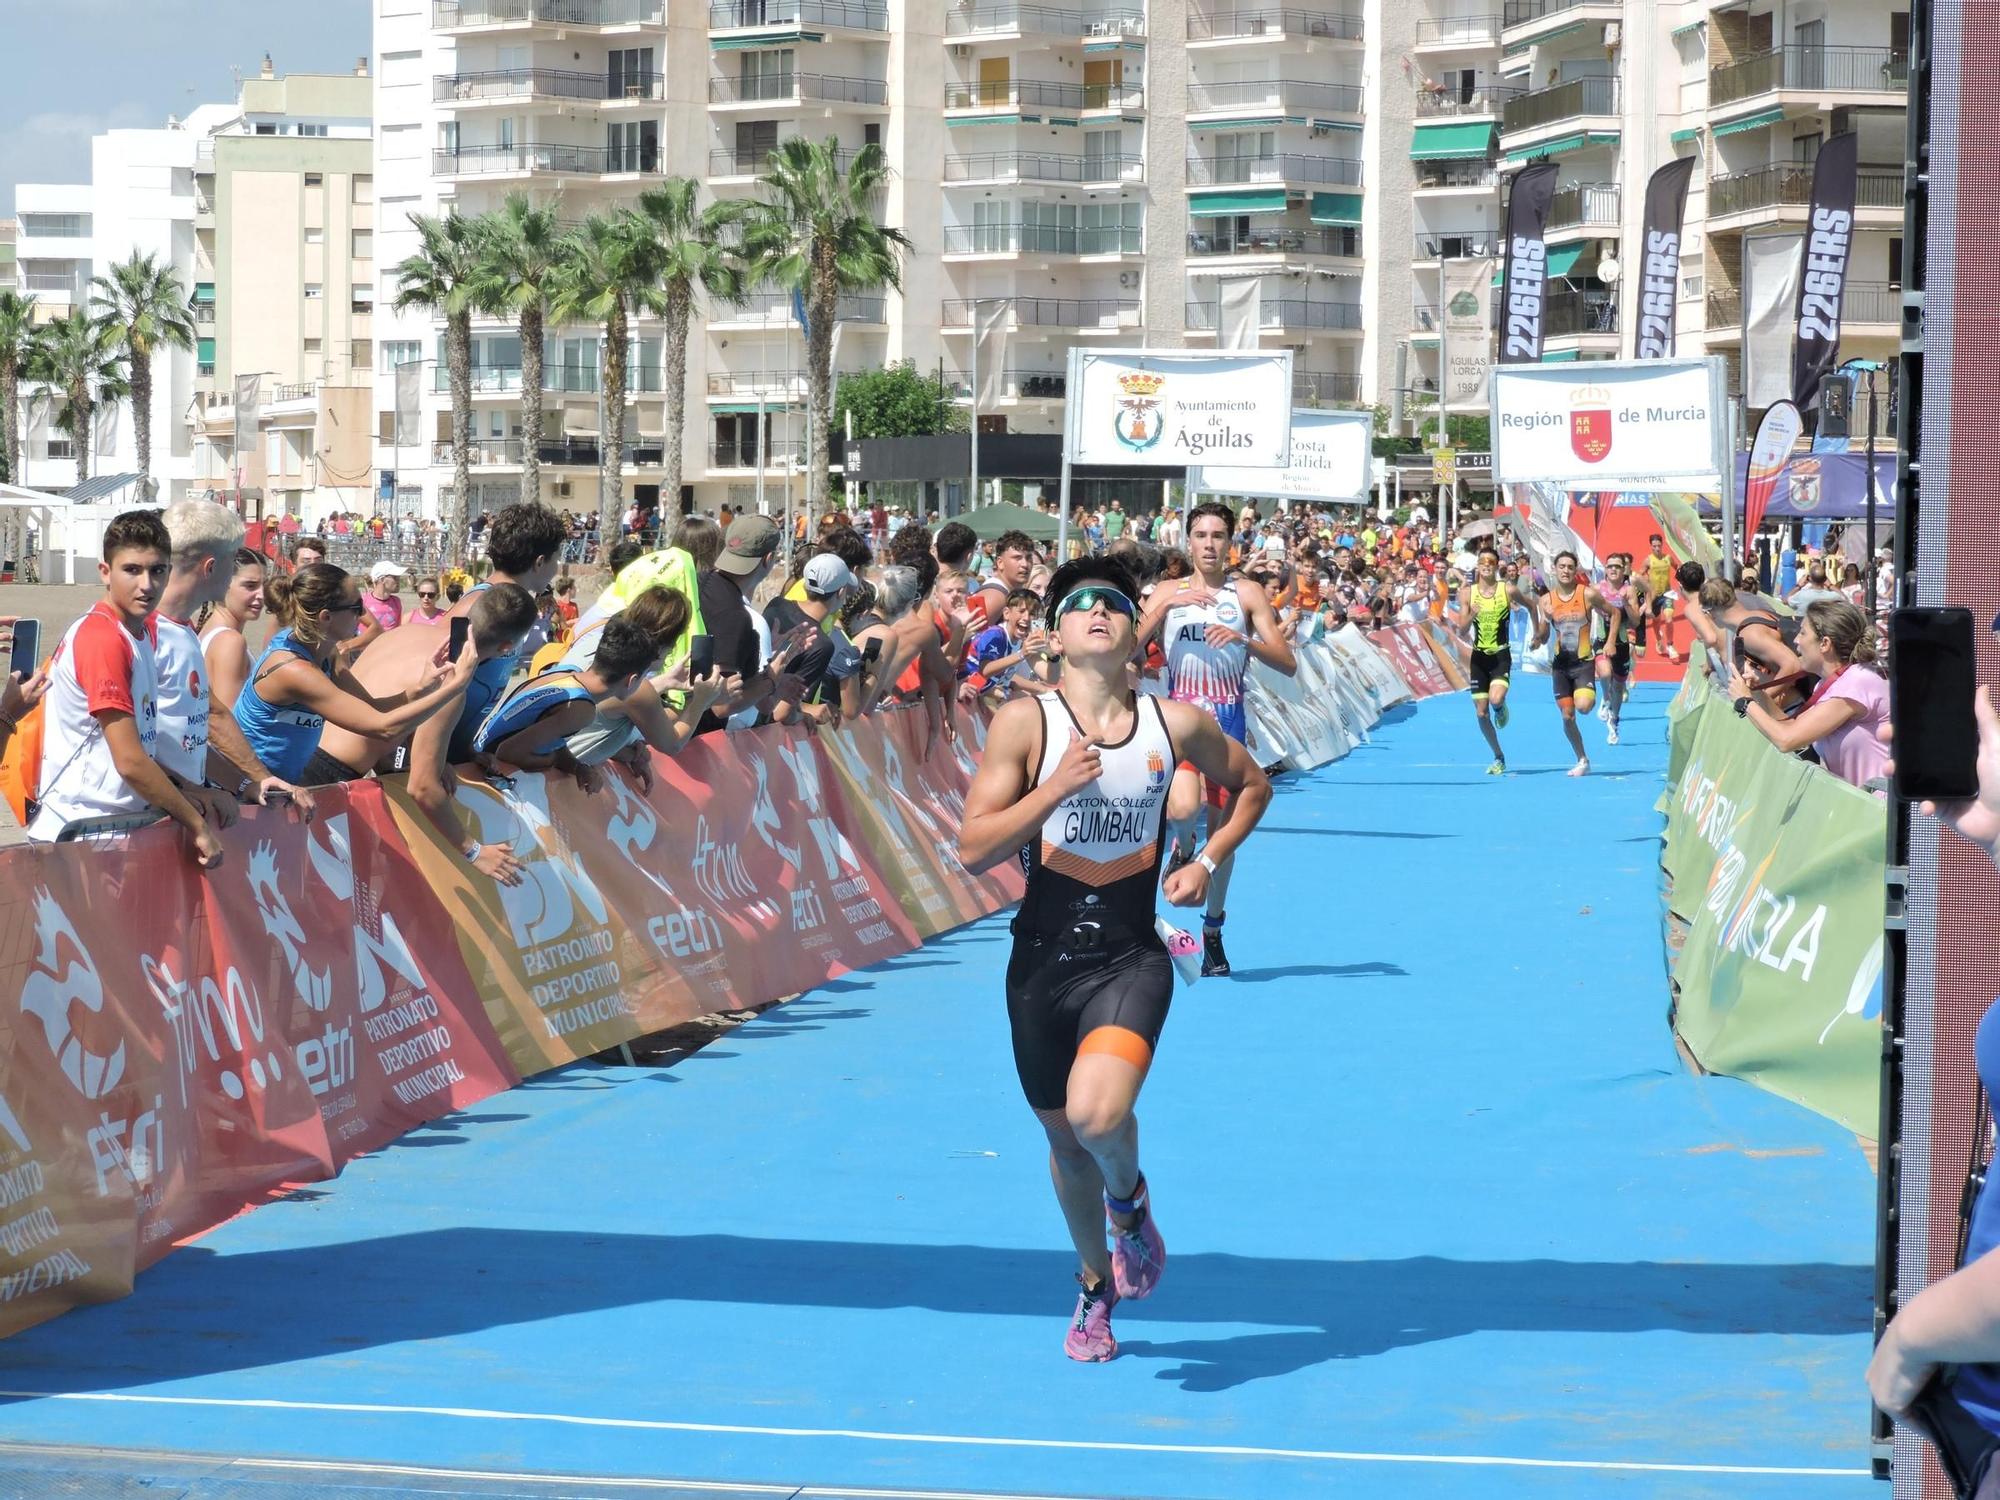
point(1524, 291)
point(990, 320)
point(1468, 330)
point(1660, 270)
point(1239, 312)
point(249, 396)
point(1829, 243)
point(408, 403)
point(1770, 284)
point(1770, 451)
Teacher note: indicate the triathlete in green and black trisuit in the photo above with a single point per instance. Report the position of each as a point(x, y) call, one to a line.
point(1485, 607)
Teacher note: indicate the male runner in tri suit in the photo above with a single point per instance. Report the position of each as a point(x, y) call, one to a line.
point(1075, 782)
point(1212, 624)
point(1627, 597)
point(1567, 608)
point(1486, 606)
point(1659, 575)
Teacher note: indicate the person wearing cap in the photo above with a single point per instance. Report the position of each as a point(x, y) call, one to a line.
point(384, 598)
point(724, 592)
point(825, 656)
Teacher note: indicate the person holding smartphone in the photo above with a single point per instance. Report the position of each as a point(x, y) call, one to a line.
point(824, 656)
point(25, 682)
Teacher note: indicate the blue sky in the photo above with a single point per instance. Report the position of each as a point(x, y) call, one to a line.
point(84, 66)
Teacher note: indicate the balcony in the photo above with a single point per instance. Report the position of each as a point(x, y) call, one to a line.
point(485, 453)
point(1227, 171)
point(1285, 313)
point(1579, 99)
point(1530, 18)
point(1579, 314)
point(799, 88)
point(1274, 93)
point(1817, 71)
point(1468, 32)
point(775, 386)
point(1041, 166)
point(1077, 315)
point(1725, 311)
point(1586, 205)
point(846, 15)
point(1469, 173)
point(1435, 102)
point(203, 313)
point(1325, 388)
point(1245, 23)
point(1768, 192)
point(482, 15)
point(1015, 385)
point(1016, 93)
point(542, 159)
point(774, 309)
point(561, 380)
point(585, 453)
point(724, 162)
point(1870, 304)
point(1454, 244)
point(1006, 18)
point(1337, 242)
point(518, 85)
point(51, 281)
point(1041, 239)
point(779, 453)
point(286, 394)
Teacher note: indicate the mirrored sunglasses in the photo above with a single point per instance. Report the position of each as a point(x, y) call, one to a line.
point(1093, 594)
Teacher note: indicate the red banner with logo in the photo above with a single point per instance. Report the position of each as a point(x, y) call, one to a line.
point(1409, 651)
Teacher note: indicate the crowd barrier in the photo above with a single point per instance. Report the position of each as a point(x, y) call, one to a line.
point(1776, 870)
point(187, 1045)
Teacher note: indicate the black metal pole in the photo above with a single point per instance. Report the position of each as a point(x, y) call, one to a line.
point(1870, 492)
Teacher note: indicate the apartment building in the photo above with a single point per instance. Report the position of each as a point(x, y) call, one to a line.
point(10, 270)
point(263, 207)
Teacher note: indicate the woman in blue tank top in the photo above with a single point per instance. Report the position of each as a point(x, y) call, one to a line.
point(530, 728)
point(296, 687)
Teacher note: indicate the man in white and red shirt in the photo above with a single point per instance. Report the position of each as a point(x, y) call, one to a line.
point(203, 750)
point(101, 715)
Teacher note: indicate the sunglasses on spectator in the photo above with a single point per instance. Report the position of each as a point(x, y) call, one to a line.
point(1091, 595)
point(431, 595)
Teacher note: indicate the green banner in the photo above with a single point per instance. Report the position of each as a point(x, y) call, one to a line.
point(1682, 523)
point(1778, 869)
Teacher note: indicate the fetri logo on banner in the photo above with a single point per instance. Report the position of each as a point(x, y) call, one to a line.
point(1332, 461)
point(1614, 424)
point(1173, 409)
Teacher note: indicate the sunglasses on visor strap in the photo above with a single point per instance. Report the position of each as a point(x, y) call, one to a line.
point(1090, 596)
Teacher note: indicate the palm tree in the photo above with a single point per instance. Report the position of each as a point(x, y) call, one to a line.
point(611, 271)
point(523, 251)
point(693, 257)
point(79, 358)
point(441, 278)
point(146, 308)
point(814, 231)
point(18, 336)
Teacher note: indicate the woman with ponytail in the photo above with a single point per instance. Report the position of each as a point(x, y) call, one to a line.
point(221, 627)
point(296, 686)
point(1842, 718)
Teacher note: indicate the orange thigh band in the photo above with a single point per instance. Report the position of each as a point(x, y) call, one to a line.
point(1117, 1041)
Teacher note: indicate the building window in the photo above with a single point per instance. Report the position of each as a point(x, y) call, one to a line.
point(364, 188)
point(312, 130)
point(401, 352)
point(363, 247)
point(315, 179)
point(204, 357)
point(361, 353)
point(312, 346)
point(315, 236)
point(55, 226)
point(362, 300)
point(267, 127)
point(313, 291)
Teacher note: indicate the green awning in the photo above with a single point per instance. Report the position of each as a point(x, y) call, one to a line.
point(1691, 26)
point(1682, 137)
point(776, 38)
point(1249, 201)
point(1268, 122)
point(747, 408)
point(1458, 141)
point(1560, 261)
point(1336, 208)
point(1570, 30)
point(204, 351)
point(1558, 356)
point(1337, 125)
point(1557, 147)
point(1751, 122)
point(204, 293)
point(983, 120)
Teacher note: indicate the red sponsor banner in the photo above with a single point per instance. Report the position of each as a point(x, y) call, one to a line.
point(1449, 651)
point(1407, 650)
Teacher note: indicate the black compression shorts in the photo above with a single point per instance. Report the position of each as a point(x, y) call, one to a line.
point(1621, 659)
point(1056, 997)
point(1489, 667)
point(1573, 673)
point(324, 770)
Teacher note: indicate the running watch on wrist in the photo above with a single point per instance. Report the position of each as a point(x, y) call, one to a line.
point(472, 854)
point(1742, 706)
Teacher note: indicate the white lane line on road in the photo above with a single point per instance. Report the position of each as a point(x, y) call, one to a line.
point(935, 1439)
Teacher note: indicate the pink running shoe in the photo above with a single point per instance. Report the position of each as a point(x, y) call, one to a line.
point(1090, 1338)
point(1138, 1255)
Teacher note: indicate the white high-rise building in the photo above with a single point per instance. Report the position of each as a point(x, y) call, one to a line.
point(1095, 169)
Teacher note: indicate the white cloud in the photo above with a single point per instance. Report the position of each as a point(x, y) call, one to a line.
point(54, 146)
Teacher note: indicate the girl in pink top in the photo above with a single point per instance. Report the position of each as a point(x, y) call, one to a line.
point(1847, 710)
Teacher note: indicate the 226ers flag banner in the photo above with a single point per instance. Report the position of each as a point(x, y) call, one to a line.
point(1823, 275)
point(1173, 409)
point(1524, 287)
point(1615, 425)
point(1660, 270)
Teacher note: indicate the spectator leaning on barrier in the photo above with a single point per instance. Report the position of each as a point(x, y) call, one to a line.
point(745, 560)
point(204, 748)
point(298, 684)
point(1013, 563)
point(624, 727)
point(529, 729)
point(825, 656)
point(221, 625)
point(100, 724)
point(1843, 717)
point(523, 547)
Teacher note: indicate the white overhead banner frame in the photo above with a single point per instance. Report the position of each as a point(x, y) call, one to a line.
point(1615, 424)
point(1172, 408)
point(1333, 455)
